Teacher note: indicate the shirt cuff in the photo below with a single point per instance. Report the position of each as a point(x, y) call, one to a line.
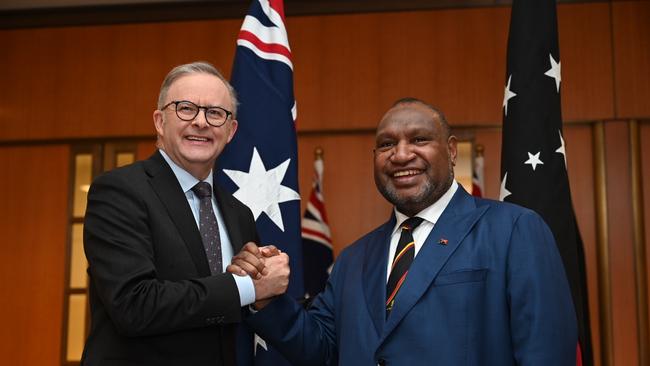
point(246, 289)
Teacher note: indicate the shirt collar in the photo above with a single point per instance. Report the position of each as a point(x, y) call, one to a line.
point(431, 213)
point(186, 180)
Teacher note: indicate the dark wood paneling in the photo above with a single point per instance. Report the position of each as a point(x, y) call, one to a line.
point(34, 196)
point(631, 32)
point(621, 250)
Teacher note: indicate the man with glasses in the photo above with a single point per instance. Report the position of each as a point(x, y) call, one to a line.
point(158, 235)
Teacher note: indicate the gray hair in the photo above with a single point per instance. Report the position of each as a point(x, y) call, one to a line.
point(438, 112)
point(197, 67)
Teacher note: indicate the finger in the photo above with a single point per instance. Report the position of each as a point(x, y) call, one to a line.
point(247, 268)
point(235, 269)
point(269, 251)
point(252, 248)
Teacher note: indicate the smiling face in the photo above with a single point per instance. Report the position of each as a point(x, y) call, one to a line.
point(195, 145)
point(414, 157)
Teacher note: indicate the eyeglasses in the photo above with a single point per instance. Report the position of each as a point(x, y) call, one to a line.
point(187, 111)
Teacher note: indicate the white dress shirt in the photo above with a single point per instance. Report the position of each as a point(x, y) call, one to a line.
point(430, 215)
point(187, 181)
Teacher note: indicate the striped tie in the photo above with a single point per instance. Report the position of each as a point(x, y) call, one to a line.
point(404, 255)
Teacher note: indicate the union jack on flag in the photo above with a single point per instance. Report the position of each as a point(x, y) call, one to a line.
point(260, 164)
point(316, 237)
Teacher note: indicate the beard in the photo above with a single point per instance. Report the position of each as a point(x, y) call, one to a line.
point(427, 195)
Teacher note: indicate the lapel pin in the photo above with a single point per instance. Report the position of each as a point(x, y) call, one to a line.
point(443, 241)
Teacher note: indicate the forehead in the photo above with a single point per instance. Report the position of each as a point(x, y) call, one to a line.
point(199, 88)
point(403, 119)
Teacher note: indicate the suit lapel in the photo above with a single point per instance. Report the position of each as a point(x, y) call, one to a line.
point(452, 227)
point(229, 215)
point(374, 273)
point(164, 183)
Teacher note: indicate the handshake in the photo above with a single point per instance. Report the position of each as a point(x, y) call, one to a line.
point(267, 266)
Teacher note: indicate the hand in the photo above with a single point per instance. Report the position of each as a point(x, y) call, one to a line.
point(274, 282)
point(250, 260)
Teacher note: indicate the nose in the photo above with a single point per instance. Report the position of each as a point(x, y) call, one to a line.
point(201, 119)
point(402, 153)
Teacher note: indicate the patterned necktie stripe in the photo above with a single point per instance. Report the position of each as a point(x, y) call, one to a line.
point(394, 293)
point(404, 254)
point(408, 247)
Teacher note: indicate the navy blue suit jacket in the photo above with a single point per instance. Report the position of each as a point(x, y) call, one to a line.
point(486, 288)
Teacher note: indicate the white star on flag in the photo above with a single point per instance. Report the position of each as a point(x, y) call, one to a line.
point(262, 190)
point(560, 150)
point(534, 160)
point(507, 95)
point(555, 72)
point(503, 192)
point(259, 341)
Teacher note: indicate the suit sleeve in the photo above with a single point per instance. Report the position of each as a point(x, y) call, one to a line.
point(542, 317)
point(304, 337)
point(121, 257)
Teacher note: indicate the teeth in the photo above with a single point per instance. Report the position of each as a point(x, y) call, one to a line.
point(404, 173)
point(196, 138)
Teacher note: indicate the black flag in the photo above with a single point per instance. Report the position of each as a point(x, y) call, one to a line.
point(533, 158)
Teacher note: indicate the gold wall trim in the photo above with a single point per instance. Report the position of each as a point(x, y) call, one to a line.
point(640, 270)
point(602, 239)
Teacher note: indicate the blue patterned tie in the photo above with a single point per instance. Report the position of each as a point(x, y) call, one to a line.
point(208, 226)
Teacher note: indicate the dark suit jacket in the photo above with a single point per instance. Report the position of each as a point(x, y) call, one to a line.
point(152, 298)
point(493, 294)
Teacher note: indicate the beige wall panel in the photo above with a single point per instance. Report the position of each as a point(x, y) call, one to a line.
point(353, 204)
point(631, 32)
point(34, 196)
point(585, 54)
point(621, 250)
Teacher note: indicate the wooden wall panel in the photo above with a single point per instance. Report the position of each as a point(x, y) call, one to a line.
point(98, 81)
point(353, 204)
point(644, 135)
point(103, 80)
point(621, 250)
point(631, 34)
point(34, 196)
point(585, 53)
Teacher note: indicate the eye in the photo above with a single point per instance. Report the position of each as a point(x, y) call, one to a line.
point(385, 145)
point(217, 113)
point(420, 140)
point(186, 108)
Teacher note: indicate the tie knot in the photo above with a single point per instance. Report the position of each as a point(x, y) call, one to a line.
point(411, 223)
point(202, 189)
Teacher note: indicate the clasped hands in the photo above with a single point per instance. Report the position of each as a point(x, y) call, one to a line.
point(267, 266)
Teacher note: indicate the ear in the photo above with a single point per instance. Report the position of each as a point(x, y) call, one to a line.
point(232, 129)
point(158, 122)
point(452, 147)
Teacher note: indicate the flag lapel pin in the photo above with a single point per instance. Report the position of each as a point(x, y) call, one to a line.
point(443, 241)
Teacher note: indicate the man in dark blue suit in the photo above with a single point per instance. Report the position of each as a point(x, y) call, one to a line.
point(485, 286)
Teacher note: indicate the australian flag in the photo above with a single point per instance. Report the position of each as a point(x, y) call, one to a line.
point(260, 164)
point(533, 155)
point(316, 237)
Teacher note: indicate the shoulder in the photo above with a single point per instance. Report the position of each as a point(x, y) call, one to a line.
point(359, 247)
